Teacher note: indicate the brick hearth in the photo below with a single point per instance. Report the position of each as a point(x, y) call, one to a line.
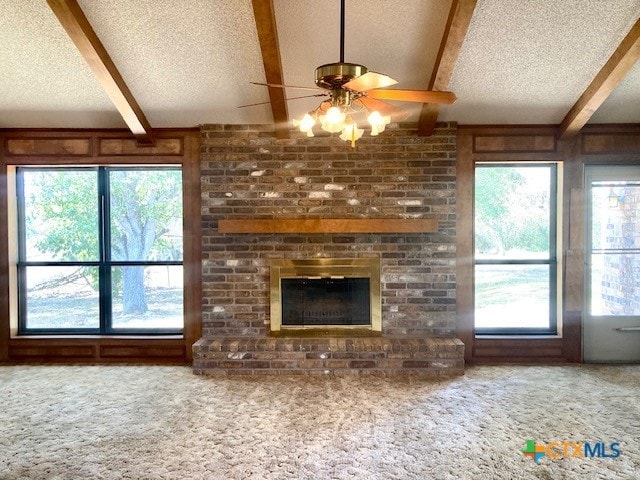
point(246, 173)
point(429, 356)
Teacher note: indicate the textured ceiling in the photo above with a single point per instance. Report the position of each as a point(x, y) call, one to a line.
point(529, 61)
point(44, 81)
point(186, 62)
point(189, 62)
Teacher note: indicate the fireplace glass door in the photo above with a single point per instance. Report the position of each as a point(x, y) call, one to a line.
point(325, 301)
point(325, 296)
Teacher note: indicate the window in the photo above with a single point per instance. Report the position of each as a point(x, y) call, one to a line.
point(614, 241)
point(100, 250)
point(515, 249)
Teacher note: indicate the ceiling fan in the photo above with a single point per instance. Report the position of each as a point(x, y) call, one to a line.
point(353, 90)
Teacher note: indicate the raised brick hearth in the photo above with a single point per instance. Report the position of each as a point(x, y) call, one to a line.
point(246, 173)
point(429, 356)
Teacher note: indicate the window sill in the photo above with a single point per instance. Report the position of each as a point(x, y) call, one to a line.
point(517, 337)
point(97, 337)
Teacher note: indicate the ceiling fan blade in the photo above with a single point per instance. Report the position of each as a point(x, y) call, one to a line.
point(421, 96)
point(284, 86)
point(369, 81)
point(384, 108)
point(287, 99)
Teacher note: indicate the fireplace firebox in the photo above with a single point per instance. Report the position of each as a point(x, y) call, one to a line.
point(325, 296)
point(325, 301)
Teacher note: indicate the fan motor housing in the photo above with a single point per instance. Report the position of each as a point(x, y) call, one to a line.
point(333, 75)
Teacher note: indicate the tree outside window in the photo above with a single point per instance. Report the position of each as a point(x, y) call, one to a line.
point(515, 258)
point(100, 248)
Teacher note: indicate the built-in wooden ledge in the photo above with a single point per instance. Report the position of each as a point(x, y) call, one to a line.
point(330, 225)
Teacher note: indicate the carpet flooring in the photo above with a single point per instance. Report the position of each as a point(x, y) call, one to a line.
point(132, 422)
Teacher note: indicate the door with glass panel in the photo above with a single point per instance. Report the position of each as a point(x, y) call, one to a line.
point(515, 243)
point(612, 314)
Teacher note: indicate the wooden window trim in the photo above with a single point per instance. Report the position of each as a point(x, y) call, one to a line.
point(55, 147)
point(593, 146)
point(564, 347)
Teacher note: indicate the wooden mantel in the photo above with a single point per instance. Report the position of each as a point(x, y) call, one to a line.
point(329, 225)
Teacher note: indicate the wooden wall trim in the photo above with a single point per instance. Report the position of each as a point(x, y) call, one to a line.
point(49, 147)
point(613, 128)
point(130, 147)
point(610, 143)
point(567, 348)
point(518, 157)
point(572, 336)
point(192, 244)
point(509, 348)
point(509, 130)
point(574, 252)
point(91, 146)
point(5, 329)
point(598, 149)
point(520, 143)
point(465, 179)
point(97, 350)
point(573, 216)
point(514, 143)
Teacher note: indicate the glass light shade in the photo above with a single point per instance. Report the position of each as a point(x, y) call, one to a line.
point(306, 124)
point(378, 122)
point(351, 132)
point(333, 120)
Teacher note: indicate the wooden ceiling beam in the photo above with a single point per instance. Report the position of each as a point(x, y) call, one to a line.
point(622, 60)
point(72, 18)
point(455, 32)
point(268, 37)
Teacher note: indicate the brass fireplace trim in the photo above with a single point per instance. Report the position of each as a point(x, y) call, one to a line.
point(324, 268)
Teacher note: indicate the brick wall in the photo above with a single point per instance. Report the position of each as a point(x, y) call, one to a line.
point(247, 173)
point(620, 279)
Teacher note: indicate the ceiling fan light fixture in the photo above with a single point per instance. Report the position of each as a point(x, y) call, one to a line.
point(351, 132)
point(333, 120)
point(378, 122)
point(343, 102)
point(338, 119)
point(305, 124)
point(354, 90)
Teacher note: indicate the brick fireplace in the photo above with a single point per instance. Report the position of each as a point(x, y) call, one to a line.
point(247, 174)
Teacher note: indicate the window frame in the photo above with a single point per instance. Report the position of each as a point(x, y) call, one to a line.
point(104, 262)
point(552, 261)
